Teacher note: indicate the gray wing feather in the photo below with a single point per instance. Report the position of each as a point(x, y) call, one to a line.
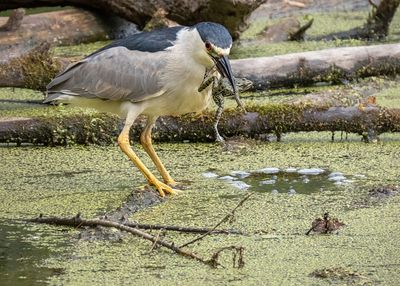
point(114, 74)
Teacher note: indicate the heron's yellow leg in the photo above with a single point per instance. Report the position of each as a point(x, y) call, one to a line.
point(123, 141)
point(145, 139)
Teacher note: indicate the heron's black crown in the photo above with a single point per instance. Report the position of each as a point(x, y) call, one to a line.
point(214, 33)
point(159, 40)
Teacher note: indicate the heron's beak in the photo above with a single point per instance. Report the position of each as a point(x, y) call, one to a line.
point(224, 68)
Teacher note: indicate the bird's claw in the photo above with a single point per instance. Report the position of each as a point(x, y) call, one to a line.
point(163, 188)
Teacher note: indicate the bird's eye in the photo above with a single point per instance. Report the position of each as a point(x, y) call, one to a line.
point(208, 46)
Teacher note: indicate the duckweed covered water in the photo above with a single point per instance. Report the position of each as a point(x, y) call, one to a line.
point(22, 250)
point(93, 180)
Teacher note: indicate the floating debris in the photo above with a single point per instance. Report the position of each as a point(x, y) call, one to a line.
point(312, 171)
point(339, 273)
point(210, 175)
point(325, 225)
point(240, 185)
point(384, 191)
point(337, 178)
point(268, 182)
point(269, 170)
point(227, 178)
point(240, 174)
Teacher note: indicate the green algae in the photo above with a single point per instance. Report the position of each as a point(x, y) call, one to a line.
point(389, 97)
point(80, 51)
point(92, 180)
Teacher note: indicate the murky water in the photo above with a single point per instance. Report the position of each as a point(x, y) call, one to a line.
point(289, 180)
point(21, 251)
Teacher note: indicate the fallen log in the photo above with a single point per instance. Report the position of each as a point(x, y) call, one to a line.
point(366, 120)
point(65, 27)
point(301, 69)
point(231, 13)
point(330, 65)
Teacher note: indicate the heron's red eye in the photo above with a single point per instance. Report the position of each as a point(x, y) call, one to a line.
point(208, 46)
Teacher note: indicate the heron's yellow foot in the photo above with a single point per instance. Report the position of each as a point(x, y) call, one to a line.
point(162, 188)
point(171, 182)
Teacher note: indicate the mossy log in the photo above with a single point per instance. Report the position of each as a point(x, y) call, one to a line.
point(32, 68)
point(35, 68)
point(366, 120)
point(330, 65)
point(231, 13)
point(65, 27)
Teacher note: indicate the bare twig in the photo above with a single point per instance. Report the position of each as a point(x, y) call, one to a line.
point(158, 237)
point(77, 221)
point(373, 4)
point(224, 219)
point(182, 228)
point(238, 256)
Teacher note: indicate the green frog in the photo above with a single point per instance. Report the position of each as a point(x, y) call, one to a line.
point(222, 88)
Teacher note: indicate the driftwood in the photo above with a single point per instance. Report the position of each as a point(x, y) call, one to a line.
point(330, 65)
point(376, 27)
point(366, 120)
point(65, 27)
point(231, 13)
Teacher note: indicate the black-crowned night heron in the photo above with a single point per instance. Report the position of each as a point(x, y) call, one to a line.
point(155, 73)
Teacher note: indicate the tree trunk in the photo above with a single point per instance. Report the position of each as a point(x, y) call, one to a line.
point(231, 13)
point(366, 120)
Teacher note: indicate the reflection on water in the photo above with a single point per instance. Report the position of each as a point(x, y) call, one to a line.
point(290, 180)
point(21, 253)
